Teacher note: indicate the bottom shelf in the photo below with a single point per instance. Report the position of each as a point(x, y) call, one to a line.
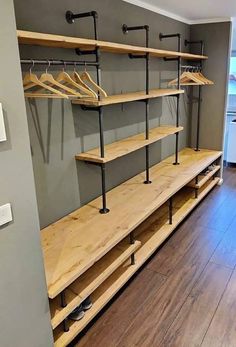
point(152, 233)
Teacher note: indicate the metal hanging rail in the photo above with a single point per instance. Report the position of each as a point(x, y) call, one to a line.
point(58, 62)
point(201, 43)
point(161, 37)
point(146, 56)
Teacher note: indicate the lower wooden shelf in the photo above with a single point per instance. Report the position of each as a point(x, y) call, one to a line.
point(152, 233)
point(203, 178)
point(76, 242)
point(79, 290)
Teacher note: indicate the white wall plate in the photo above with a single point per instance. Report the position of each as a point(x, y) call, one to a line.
point(3, 136)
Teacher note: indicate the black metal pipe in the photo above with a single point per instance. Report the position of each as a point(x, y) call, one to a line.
point(126, 28)
point(58, 62)
point(63, 299)
point(70, 16)
point(104, 208)
point(163, 36)
point(201, 42)
point(101, 134)
point(132, 241)
point(65, 325)
point(171, 211)
point(198, 118)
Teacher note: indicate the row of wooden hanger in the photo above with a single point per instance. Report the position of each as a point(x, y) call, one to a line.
point(64, 85)
point(192, 76)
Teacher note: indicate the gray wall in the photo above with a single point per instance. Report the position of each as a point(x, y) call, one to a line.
point(59, 130)
point(24, 313)
point(217, 38)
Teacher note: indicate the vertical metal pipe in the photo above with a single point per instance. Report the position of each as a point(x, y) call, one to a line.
point(178, 105)
point(196, 189)
point(65, 325)
point(198, 117)
point(132, 257)
point(104, 208)
point(171, 211)
point(147, 181)
point(63, 299)
point(100, 115)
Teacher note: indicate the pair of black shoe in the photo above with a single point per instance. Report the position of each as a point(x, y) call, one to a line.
point(79, 312)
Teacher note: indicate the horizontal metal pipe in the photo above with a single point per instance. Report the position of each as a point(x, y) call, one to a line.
point(58, 62)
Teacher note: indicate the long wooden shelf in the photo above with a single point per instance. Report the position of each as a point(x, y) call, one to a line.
point(202, 179)
point(79, 290)
point(52, 40)
point(152, 234)
point(128, 145)
point(127, 97)
point(77, 241)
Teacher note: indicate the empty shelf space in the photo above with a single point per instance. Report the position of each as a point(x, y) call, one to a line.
point(152, 233)
point(91, 280)
point(76, 242)
point(127, 97)
point(203, 178)
point(52, 40)
point(128, 145)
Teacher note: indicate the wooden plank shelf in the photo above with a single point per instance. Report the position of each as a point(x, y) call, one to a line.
point(152, 233)
point(52, 40)
point(127, 97)
point(79, 290)
point(202, 179)
point(76, 242)
point(128, 145)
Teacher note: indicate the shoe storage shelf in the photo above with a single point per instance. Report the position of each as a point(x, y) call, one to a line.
point(86, 253)
point(94, 254)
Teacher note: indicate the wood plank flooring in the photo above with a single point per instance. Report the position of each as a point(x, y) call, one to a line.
point(185, 296)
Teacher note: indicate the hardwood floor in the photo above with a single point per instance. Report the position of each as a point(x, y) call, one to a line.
point(185, 296)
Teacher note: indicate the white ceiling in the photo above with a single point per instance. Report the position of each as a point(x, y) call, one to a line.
point(191, 11)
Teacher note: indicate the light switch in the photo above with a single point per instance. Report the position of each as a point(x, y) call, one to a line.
point(3, 136)
point(5, 214)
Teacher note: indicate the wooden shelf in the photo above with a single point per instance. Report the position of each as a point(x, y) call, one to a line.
point(79, 290)
point(128, 145)
point(202, 179)
point(151, 234)
point(94, 234)
point(127, 97)
point(51, 40)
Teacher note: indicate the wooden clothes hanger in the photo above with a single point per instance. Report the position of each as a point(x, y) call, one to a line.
point(86, 77)
point(48, 78)
point(64, 77)
point(76, 77)
point(187, 78)
point(31, 81)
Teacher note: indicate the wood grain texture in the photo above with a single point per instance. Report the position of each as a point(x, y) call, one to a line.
point(90, 280)
point(194, 318)
point(123, 310)
point(222, 331)
point(62, 240)
point(202, 179)
point(127, 97)
point(128, 145)
point(225, 254)
point(151, 238)
point(51, 40)
point(152, 322)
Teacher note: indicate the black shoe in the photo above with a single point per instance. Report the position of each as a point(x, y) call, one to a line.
point(87, 304)
point(77, 314)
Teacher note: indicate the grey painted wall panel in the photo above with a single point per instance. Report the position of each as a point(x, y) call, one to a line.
point(217, 37)
point(24, 311)
point(64, 130)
